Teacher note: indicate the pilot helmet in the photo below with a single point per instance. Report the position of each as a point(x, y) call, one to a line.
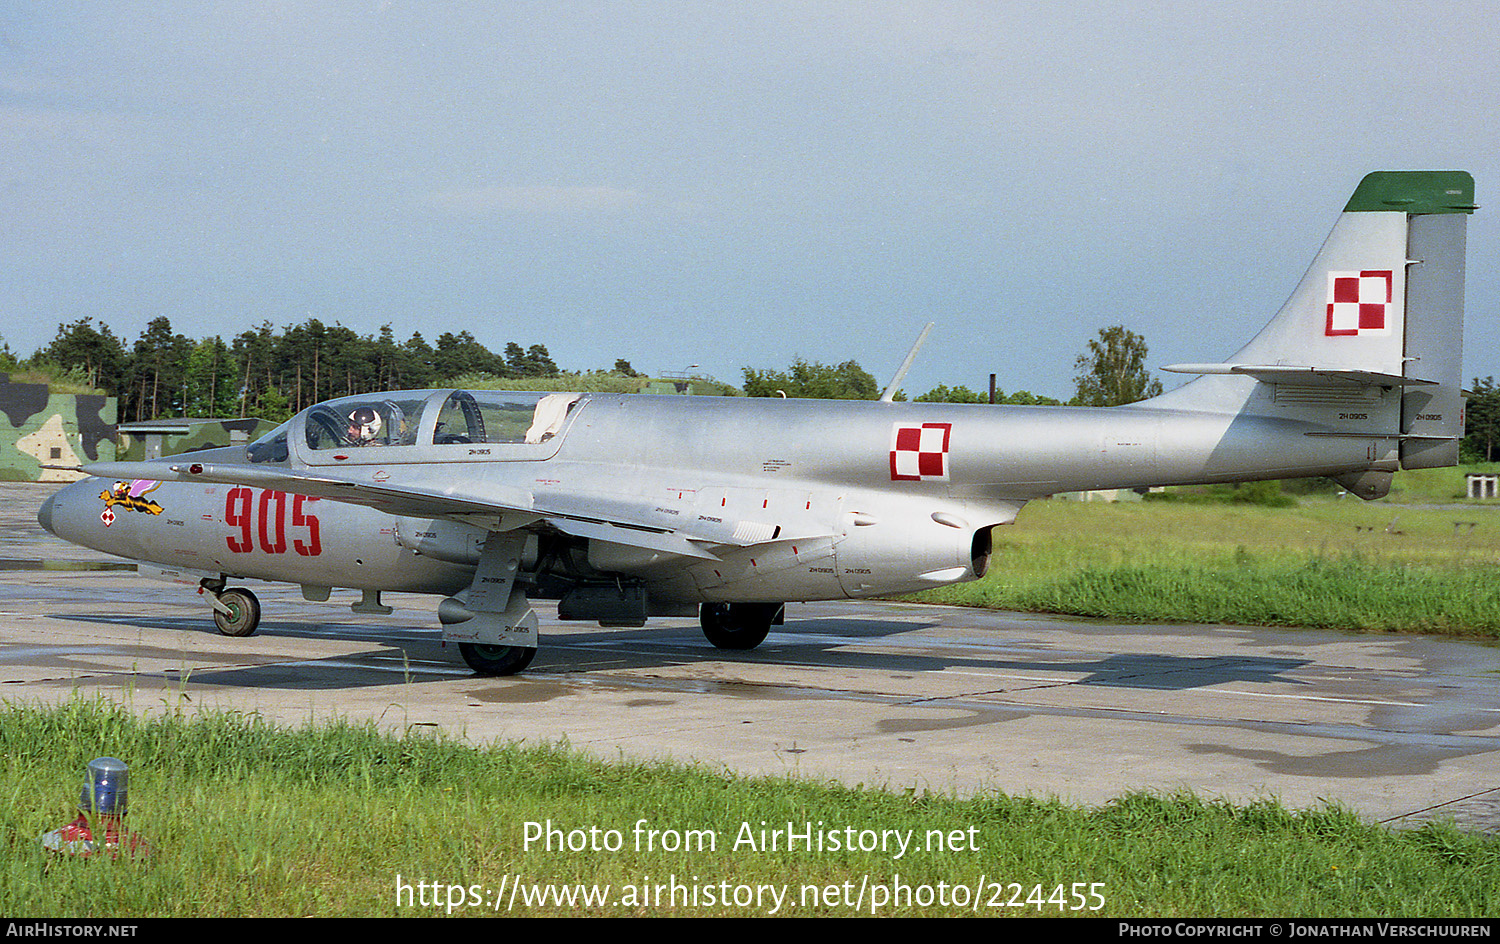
point(364, 424)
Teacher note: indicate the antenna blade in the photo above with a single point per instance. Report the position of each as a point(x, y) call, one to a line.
point(890, 389)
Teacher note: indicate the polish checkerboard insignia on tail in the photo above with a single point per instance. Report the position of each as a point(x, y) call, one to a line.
point(1359, 303)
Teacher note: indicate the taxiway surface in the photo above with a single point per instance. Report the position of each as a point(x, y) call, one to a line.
point(1398, 728)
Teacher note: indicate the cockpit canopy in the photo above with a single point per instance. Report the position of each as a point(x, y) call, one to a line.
point(423, 425)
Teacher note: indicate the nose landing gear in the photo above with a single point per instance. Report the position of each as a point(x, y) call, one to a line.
point(236, 610)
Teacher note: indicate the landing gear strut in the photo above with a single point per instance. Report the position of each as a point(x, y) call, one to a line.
point(739, 625)
point(492, 621)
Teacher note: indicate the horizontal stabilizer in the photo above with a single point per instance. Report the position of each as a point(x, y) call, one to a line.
point(1305, 376)
point(1373, 434)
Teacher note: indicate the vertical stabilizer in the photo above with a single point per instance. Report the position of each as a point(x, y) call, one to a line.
point(1370, 344)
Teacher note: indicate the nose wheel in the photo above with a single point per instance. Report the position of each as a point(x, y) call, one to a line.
point(236, 612)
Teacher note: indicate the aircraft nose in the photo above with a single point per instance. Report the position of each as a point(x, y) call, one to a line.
point(44, 517)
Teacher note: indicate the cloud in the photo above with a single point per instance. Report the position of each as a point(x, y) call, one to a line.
point(535, 200)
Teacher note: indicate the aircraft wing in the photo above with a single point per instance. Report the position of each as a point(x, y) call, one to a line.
point(501, 509)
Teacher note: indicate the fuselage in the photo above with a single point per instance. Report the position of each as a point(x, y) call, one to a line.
point(780, 499)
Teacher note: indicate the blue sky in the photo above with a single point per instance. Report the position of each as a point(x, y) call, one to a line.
point(724, 184)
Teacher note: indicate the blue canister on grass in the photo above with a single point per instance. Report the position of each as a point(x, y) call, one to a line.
point(107, 789)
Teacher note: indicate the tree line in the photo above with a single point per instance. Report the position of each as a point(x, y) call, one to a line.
point(269, 373)
point(849, 381)
point(1112, 372)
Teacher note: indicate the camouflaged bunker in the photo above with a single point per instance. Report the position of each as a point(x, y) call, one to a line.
point(152, 439)
point(52, 429)
point(49, 434)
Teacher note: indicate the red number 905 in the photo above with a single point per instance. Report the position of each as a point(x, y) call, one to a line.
point(266, 520)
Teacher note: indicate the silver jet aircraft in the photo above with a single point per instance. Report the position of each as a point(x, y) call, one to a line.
point(626, 507)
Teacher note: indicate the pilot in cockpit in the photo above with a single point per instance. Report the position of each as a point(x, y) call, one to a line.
point(364, 427)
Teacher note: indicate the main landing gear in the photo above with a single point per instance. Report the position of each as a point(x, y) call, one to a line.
point(739, 625)
point(496, 660)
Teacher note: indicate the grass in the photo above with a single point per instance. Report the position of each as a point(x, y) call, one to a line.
point(1326, 563)
point(1438, 486)
point(248, 819)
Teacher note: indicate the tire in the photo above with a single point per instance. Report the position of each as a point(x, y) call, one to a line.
point(244, 613)
point(496, 660)
point(737, 625)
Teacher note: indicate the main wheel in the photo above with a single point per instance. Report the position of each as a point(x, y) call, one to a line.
point(496, 660)
point(244, 613)
point(737, 625)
